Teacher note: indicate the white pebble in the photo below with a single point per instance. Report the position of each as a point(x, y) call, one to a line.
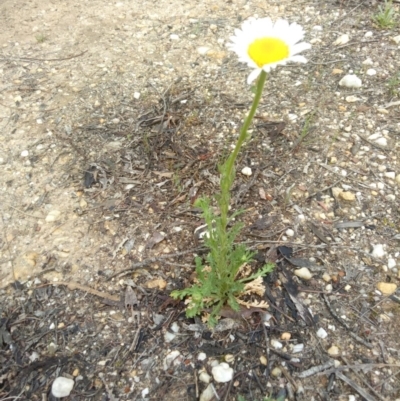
point(276, 344)
point(202, 356)
point(170, 358)
point(317, 28)
point(371, 72)
point(289, 232)
point(222, 373)
point(62, 387)
point(321, 333)
point(53, 215)
point(368, 34)
point(303, 273)
point(391, 263)
point(298, 348)
point(352, 99)
point(136, 95)
point(341, 40)
point(174, 37)
point(204, 377)
point(390, 174)
point(145, 392)
point(396, 39)
point(247, 171)
point(368, 61)
point(25, 153)
point(350, 81)
point(168, 336)
point(381, 141)
point(378, 251)
point(203, 50)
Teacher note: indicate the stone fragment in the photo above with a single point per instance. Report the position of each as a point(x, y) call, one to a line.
point(209, 394)
point(303, 273)
point(350, 81)
point(276, 344)
point(276, 372)
point(336, 192)
point(204, 377)
point(341, 40)
point(352, 99)
point(378, 251)
point(321, 333)
point(289, 232)
point(333, 351)
point(53, 215)
point(62, 387)
point(25, 153)
point(203, 50)
point(222, 373)
point(170, 359)
point(396, 39)
point(391, 263)
point(247, 171)
point(386, 288)
point(159, 283)
point(298, 348)
point(286, 336)
point(371, 72)
point(347, 196)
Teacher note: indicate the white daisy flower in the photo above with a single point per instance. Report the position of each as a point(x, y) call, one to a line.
point(263, 44)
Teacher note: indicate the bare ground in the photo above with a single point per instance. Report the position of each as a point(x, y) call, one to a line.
point(113, 119)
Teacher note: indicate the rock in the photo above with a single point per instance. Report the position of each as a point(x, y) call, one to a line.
point(229, 358)
point(174, 37)
point(136, 95)
point(209, 394)
point(333, 351)
point(397, 179)
point(352, 99)
point(321, 333)
point(53, 215)
point(203, 50)
point(350, 81)
point(276, 372)
point(202, 356)
point(298, 348)
point(25, 153)
point(326, 277)
point(62, 387)
point(368, 61)
point(386, 288)
point(276, 344)
point(303, 273)
point(159, 283)
point(368, 34)
point(289, 232)
point(381, 141)
point(336, 192)
point(247, 171)
point(263, 360)
point(347, 196)
point(222, 373)
point(390, 174)
point(286, 336)
point(378, 251)
point(396, 39)
point(204, 377)
point(391, 263)
point(170, 359)
point(371, 72)
point(341, 40)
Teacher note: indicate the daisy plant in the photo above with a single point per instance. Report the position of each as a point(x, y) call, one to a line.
point(263, 45)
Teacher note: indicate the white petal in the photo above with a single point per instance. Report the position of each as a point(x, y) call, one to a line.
point(298, 59)
point(300, 47)
point(253, 75)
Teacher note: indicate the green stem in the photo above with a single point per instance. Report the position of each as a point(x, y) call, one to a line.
point(227, 171)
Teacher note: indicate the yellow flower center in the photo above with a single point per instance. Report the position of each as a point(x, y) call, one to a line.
point(268, 50)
